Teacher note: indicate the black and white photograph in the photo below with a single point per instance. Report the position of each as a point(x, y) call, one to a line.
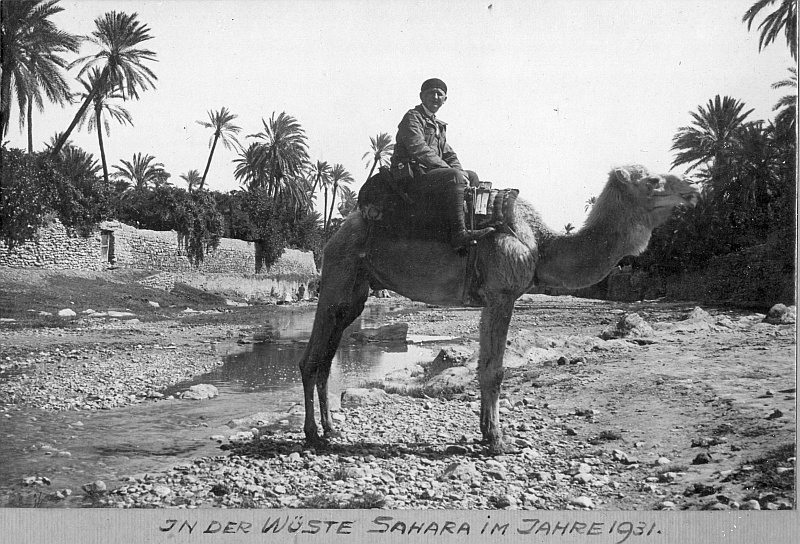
point(398, 270)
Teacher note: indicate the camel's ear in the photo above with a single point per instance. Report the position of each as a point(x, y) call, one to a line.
point(622, 175)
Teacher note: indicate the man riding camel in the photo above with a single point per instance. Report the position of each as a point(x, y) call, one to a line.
point(421, 152)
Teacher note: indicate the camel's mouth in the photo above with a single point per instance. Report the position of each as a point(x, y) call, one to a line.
point(688, 199)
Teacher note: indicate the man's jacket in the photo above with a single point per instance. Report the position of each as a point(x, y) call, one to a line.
point(422, 141)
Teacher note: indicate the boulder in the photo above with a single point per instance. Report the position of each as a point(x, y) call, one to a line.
point(360, 396)
point(396, 332)
point(200, 392)
point(66, 312)
point(456, 377)
point(777, 315)
point(628, 326)
point(460, 471)
point(447, 358)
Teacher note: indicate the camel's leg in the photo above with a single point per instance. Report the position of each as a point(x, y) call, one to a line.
point(495, 319)
point(343, 291)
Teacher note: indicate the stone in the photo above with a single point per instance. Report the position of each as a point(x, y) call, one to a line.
point(447, 358)
point(583, 502)
point(583, 477)
point(360, 396)
point(629, 325)
point(154, 304)
point(96, 487)
point(259, 418)
point(460, 376)
point(750, 505)
point(161, 490)
point(702, 459)
point(394, 333)
point(780, 314)
point(662, 461)
point(66, 312)
point(201, 391)
point(460, 471)
point(624, 458)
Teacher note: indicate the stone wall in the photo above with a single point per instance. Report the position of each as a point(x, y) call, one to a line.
point(166, 250)
point(162, 251)
point(55, 247)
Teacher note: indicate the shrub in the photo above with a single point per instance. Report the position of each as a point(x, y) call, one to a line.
point(36, 185)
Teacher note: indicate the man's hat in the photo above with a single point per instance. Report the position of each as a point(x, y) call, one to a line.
point(433, 83)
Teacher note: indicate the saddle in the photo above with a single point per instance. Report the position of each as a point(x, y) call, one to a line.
point(397, 210)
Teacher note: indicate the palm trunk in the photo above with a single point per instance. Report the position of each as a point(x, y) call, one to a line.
point(101, 83)
point(333, 199)
point(5, 97)
point(371, 170)
point(208, 164)
point(102, 155)
point(30, 125)
point(325, 210)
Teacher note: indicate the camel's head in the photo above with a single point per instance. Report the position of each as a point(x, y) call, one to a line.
point(657, 194)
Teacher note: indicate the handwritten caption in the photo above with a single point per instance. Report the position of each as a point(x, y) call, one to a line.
point(301, 524)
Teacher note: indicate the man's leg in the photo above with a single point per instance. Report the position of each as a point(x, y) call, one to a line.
point(452, 183)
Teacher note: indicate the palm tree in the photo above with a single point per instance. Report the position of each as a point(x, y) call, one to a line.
point(283, 152)
point(713, 137)
point(118, 35)
point(247, 171)
point(382, 148)
point(102, 102)
point(320, 174)
point(338, 176)
point(192, 178)
point(220, 123)
point(784, 18)
point(589, 203)
point(788, 115)
point(142, 171)
point(569, 227)
point(31, 61)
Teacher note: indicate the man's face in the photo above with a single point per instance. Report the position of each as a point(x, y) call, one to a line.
point(433, 99)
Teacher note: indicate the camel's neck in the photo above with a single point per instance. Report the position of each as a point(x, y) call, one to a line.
point(586, 257)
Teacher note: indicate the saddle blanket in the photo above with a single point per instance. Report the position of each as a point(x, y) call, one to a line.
point(402, 212)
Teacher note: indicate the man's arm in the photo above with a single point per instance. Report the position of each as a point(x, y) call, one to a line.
point(449, 156)
point(411, 135)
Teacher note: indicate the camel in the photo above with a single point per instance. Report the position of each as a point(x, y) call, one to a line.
point(632, 204)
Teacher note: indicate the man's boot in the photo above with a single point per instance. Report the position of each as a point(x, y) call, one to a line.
point(459, 235)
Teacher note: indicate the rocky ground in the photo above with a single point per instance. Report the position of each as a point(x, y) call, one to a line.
point(607, 405)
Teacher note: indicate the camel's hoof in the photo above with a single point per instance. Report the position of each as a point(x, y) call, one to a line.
point(316, 442)
point(499, 447)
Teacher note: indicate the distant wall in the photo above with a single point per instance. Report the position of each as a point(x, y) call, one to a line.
point(118, 244)
point(56, 248)
point(166, 250)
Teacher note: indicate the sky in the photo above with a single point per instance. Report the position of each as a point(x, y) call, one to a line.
point(545, 96)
